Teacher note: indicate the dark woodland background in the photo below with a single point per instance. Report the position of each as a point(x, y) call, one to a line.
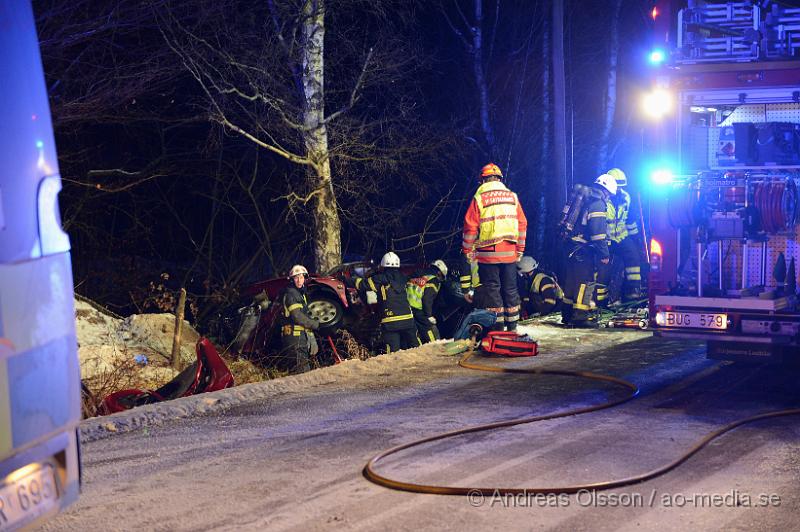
point(160, 192)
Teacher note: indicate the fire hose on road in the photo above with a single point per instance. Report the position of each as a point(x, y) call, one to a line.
point(632, 391)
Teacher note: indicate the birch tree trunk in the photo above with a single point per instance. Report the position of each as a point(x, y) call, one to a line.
point(327, 225)
point(480, 78)
point(611, 90)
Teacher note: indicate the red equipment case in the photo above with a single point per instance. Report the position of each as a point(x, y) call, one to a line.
point(510, 344)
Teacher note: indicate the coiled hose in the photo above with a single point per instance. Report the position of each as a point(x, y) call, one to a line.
point(632, 391)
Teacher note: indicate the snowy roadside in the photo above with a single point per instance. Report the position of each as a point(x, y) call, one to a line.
point(439, 354)
point(421, 364)
point(106, 342)
point(118, 353)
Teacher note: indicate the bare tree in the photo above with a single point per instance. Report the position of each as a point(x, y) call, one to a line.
point(470, 31)
point(270, 84)
point(327, 237)
point(611, 89)
point(543, 209)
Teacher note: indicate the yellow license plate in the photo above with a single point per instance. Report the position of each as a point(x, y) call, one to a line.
point(694, 320)
point(26, 495)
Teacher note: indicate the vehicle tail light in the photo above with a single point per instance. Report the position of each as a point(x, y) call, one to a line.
point(655, 255)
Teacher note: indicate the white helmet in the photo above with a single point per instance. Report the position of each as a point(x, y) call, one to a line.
point(619, 176)
point(441, 266)
point(298, 269)
point(527, 264)
point(390, 260)
point(607, 182)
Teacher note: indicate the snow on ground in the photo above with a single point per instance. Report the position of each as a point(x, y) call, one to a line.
point(373, 372)
point(288, 454)
point(135, 352)
point(108, 347)
point(104, 339)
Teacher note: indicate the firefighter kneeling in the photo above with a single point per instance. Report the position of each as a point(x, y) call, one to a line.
point(422, 291)
point(297, 325)
point(538, 289)
point(584, 226)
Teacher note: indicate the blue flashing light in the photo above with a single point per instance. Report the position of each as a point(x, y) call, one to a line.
point(39, 144)
point(662, 176)
point(657, 56)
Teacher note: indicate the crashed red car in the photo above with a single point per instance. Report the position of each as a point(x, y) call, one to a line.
point(208, 373)
point(330, 301)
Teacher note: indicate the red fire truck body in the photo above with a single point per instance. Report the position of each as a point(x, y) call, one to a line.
point(723, 209)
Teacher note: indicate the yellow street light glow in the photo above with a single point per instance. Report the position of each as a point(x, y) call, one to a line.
point(657, 104)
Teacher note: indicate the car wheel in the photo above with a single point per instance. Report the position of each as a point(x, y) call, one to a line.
point(327, 311)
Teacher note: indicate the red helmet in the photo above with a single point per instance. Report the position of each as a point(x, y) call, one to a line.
point(490, 170)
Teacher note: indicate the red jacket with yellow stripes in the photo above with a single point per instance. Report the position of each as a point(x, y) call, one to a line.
point(505, 250)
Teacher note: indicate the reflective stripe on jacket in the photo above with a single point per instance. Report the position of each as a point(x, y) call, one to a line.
point(493, 217)
point(545, 289)
point(296, 317)
point(592, 230)
point(416, 287)
point(390, 287)
point(617, 216)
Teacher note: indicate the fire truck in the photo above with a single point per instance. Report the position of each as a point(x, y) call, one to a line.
point(724, 167)
point(39, 373)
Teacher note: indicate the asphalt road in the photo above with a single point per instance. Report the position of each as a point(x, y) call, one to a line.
point(293, 461)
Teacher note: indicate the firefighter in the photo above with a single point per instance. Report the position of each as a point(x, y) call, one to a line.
point(468, 278)
point(388, 288)
point(422, 291)
point(586, 250)
point(623, 234)
point(297, 325)
point(451, 304)
point(465, 275)
point(538, 290)
point(494, 237)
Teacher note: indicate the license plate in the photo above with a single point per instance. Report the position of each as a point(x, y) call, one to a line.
point(25, 497)
point(695, 320)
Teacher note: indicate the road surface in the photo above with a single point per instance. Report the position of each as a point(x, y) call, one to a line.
point(292, 459)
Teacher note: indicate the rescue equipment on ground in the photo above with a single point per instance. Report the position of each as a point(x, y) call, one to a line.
point(627, 318)
point(509, 344)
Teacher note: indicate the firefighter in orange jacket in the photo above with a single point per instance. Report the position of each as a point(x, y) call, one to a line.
point(494, 236)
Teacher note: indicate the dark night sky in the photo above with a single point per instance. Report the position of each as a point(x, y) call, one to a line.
point(120, 99)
